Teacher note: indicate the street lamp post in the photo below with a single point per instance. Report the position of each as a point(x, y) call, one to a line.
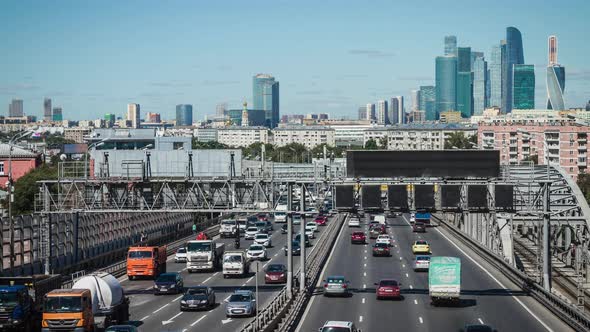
point(93, 145)
point(257, 328)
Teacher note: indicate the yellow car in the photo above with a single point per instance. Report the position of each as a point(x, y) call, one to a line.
point(421, 247)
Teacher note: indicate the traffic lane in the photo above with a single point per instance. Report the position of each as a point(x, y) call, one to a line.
point(147, 307)
point(215, 319)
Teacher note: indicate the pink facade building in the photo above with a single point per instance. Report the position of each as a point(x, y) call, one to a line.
point(23, 162)
point(557, 141)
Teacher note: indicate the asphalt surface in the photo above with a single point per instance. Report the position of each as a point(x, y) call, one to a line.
point(486, 296)
point(162, 313)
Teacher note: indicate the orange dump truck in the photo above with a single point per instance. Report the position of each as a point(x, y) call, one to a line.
point(146, 262)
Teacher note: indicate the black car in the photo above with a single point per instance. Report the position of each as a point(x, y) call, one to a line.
point(307, 242)
point(169, 283)
point(295, 248)
point(419, 227)
point(196, 298)
point(284, 229)
point(478, 328)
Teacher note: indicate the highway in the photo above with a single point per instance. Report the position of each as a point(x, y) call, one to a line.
point(162, 312)
point(487, 297)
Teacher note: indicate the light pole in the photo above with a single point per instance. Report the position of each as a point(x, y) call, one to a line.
point(93, 145)
point(256, 277)
point(9, 187)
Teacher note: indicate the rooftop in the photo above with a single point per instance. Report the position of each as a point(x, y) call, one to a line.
point(16, 152)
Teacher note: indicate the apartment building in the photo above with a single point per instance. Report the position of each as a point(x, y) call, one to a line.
point(309, 136)
point(235, 136)
point(414, 136)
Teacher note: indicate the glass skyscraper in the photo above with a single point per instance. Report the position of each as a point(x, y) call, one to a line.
point(496, 76)
point(514, 55)
point(446, 84)
point(464, 81)
point(480, 69)
point(184, 115)
point(555, 78)
point(451, 45)
point(428, 101)
point(524, 87)
point(265, 96)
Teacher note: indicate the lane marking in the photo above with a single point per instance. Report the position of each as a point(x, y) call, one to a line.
point(244, 284)
point(171, 319)
point(178, 298)
point(363, 301)
point(216, 273)
point(144, 318)
point(249, 280)
point(415, 301)
point(152, 287)
point(198, 320)
point(364, 286)
point(360, 319)
point(364, 274)
point(162, 307)
point(227, 298)
point(480, 321)
point(496, 280)
point(365, 257)
point(420, 319)
point(204, 281)
point(407, 276)
point(411, 287)
point(403, 265)
point(365, 265)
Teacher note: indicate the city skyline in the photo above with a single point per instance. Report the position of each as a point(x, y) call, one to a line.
point(323, 75)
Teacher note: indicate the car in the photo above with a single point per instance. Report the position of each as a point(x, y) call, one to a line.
point(262, 227)
point(358, 237)
point(385, 239)
point(284, 229)
point(262, 217)
point(170, 282)
point(388, 288)
point(242, 224)
point(263, 239)
point(313, 225)
point(269, 226)
point(256, 251)
point(275, 274)
point(251, 233)
point(296, 219)
point(338, 326)
point(295, 249)
point(307, 242)
point(121, 328)
point(421, 263)
point(309, 232)
point(321, 220)
point(376, 231)
point(196, 298)
point(478, 328)
point(336, 285)
point(180, 255)
point(421, 247)
point(412, 218)
point(354, 221)
point(381, 249)
point(241, 303)
point(419, 227)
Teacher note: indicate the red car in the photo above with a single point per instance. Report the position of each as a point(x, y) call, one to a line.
point(275, 274)
point(321, 220)
point(388, 288)
point(262, 217)
point(381, 249)
point(358, 237)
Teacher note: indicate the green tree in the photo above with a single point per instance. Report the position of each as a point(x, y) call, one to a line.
point(26, 187)
point(534, 158)
point(371, 145)
point(584, 184)
point(383, 143)
point(209, 145)
point(254, 151)
point(292, 153)
point(458, 140)
point(336, 151)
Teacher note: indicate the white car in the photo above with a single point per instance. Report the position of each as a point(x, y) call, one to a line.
point(412, 218)
point(256, 251)
point(263, 239)
point(309, 232)
point(296, 219)
point(180, 255)
point(251, 233)
point(354, 222)
point(312, 225)
point(384, 238)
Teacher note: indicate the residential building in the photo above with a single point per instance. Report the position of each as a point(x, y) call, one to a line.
point(265, 94)
point(450, 117)
point(427, 101)
point(349, 133)
point(370, 112)
point(451, 45)
point(184, 115)
point(554, 139)
point(57, 114)
point(396, 110)
point(496, 76)
point(523, 91)
point(415, 94)
point(514, 55)
point(464, 81)
point(153, 117)
point(555, 78)
point(15, 108)
point(23, 161)
point(133, 115)
point(77, 134)
point(206, 134)
point(47, 114)
point(382, 112)
point(309, 136)
point(417, 136)
point(235, 136)
point(446, 84)
point(480, 70)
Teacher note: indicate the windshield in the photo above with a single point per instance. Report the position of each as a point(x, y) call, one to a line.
point(335, 329)
point(63, 304)
point(228, 222)
point(140, 254)
point(260, 224)
point(256, 247)
point(421, 242)
point(181, 250)
point(388, 283)
point(423, 258)
point(381, 245)
point(166, 278)
point(199, 246)
point(239, 298)
point(261, 236)
point(197, 291)
point(8, 299)
point(241, 222)
point(252, 229)
point(275, 268)
point(335, 280)
point(233, 259)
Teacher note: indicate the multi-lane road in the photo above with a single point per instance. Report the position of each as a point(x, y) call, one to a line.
point(162, 313)
point(487, 297)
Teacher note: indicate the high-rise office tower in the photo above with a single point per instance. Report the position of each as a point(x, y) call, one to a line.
point(480, 69)
point(415, 100)
point(382, 116)
point(362, 113)
point(446, 84)
point(427, 102)
point(496, 76)
point(370, 112)
point(153, 117)
point(451, 45)
point(265, 93)
point(184, 115)
point(488, 86)
point(15, 108)
point(464, 81)
point(555, 78)
point(396, 110)
point(109, 120)
point(133, 115)
point(475, 55)
point(47, 115)
point(220, 109)
point(588, 106)
point(523, 87)
point(514, 55)
point(57, 114)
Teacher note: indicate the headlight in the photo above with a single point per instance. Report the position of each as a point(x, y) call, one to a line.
point(173, 286)
point(182, 302)
point(155, 286)
point(203, 301)
point(15, 321)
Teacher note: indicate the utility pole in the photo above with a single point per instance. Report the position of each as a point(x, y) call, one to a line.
point(546, 237)
point(289, 239)
point(302, 238)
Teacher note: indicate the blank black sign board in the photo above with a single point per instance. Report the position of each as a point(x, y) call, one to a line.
point(344, 197)
point(450, 197)
point(371, 197)
point(424, 197)
point(504, 197)
point(397, 198)
point(477, 197)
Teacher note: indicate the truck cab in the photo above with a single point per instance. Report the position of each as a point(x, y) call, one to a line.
point(235, 263)
point(68, 309)
point(228, 228)
point(15, 307)
point(146, 261)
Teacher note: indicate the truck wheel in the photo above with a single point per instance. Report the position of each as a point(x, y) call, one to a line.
point(131, 277)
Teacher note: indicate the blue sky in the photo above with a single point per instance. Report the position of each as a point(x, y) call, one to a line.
point(95, 57)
